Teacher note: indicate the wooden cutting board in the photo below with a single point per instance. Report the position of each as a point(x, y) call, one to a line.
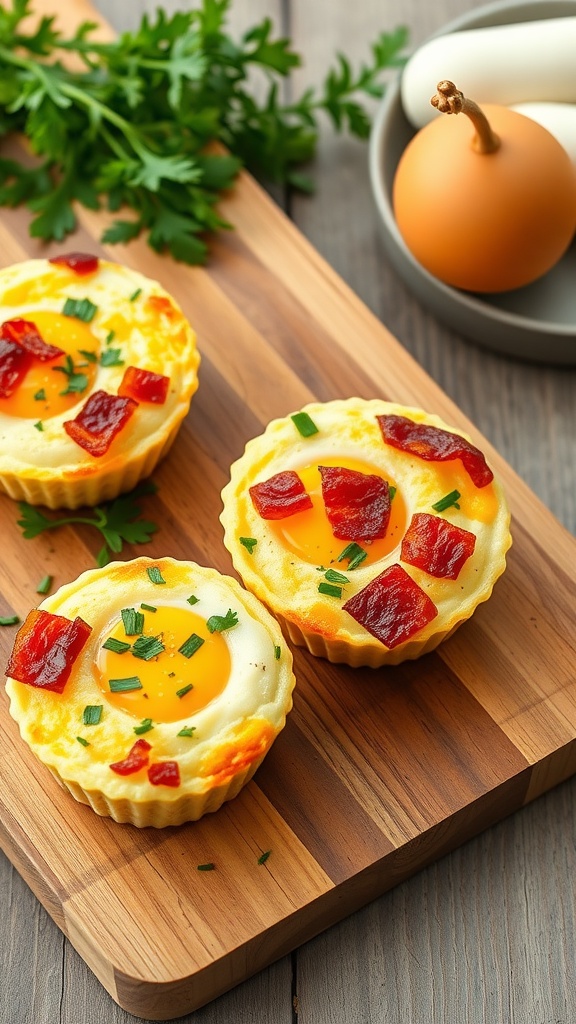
point(377, 772)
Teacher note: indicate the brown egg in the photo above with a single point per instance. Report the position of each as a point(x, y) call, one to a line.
point(485, 202)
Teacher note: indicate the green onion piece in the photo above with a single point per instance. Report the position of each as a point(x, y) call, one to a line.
point(187, 730)
point(354, 553)
point(391, 492)
point(154, 574)
point(304, 425)
point(124, 685)
point(335, 577)
point(218, 623)
point(110, 337)
point(148, 607)
point(264, 856)
point(192, 599)
point(40, 396)
point(90, 356)
point(118, 646)
point(84, 742)
point(9, 620)
point(111, 357)
point(191, 645)
point(147, 647)
point(135, 295)
point(145, 725)
point(92, 714)
point(249, 543)
point(206, 867)
point(329, 589)
point(39, 425)
point(82, 309)
point(447, 501)
point(133, 621)
point(277, 652)
point(44, 585)
point(184, 690)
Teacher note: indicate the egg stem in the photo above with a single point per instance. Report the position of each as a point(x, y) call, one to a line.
point(449, 100)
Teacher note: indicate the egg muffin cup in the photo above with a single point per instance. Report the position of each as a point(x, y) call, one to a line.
point(438, 544)
point(110, 369)
point(177, 682)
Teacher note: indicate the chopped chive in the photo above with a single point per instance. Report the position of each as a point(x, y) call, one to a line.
point(147, 647)
point(154, 574)
point(125, 685)
point(118, 646)
point(92, 714)
point(81, 309)
point(44, 585)
point(192, 599)
point(191, 645)
point(277, 652)
point(206, 867)
point(9, 620)
point(184, 690)
point(90, 356)
point(329, 589)
point(148, 607)
point(39, 425)
point(40, 396)
point(335, 577)
point(84, 742)
point(447, 501)
point(264, 856)
point(145, 725)
point(218, 623)
point(77, 382)
point(135, 295)
point(187, 730)
point(133, 621)
point(304, 425)
point(110, 337)
point(249, 543)
point(111, 357)
point(354, 553)
point(391, 492)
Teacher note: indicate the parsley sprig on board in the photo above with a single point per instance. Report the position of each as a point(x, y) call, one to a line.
point(135, 127)
point(118, 521)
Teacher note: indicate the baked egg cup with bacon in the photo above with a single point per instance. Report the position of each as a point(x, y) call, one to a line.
point(371, 530)
point(151, 689)
point(97, 369)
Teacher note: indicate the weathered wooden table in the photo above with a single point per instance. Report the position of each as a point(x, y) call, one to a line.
point(487, 933)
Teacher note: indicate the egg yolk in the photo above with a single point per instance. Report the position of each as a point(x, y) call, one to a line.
point(49, 389)
point(172, 686)
point(309, 534)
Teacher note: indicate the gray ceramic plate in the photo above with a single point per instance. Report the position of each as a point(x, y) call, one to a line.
point(537, 322)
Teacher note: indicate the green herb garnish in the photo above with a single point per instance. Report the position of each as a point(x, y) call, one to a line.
point(355, 555)
point(110, 337)
point(44, 585)
point(77, 382)
point(191, 645)
point(184, 690)
point(84, 742)
point(135, 295)
point(117, 521)
point(304, 424)
point(154, 574)
point(218, 623)
point(92, 714)
point(147, 647)
point(39, 425)
point(133, 621)
point(192, 599)
point(40, 396)
point(81, 309)
point(206, 867)
point(447, 501)
point(90, 356)
point(148, 607)
point(117, 646)
point(124, 685)
point(145, 725)
point(329, 589)
point(277, 652)
point(264, 856)
point(249, 543)
point(187, 730)
point(9, 620)
point(335, 577)
point(132, 122)
point(111, 357)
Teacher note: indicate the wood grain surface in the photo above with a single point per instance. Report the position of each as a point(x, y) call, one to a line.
point(375, 775)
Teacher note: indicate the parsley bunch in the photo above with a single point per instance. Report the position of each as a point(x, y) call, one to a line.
point(135, 127)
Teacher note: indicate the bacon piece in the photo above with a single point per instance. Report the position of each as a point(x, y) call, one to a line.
point(28, 337)
point(282, 495)
point(438, 547)
point(392, 607)
point(99, 420)
point(164, 773)
point(45, 649)
point(81, 263)
point(14, 365)
point(435, 445)
point(136, 759)
point(144, 386)
point(357, 504)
